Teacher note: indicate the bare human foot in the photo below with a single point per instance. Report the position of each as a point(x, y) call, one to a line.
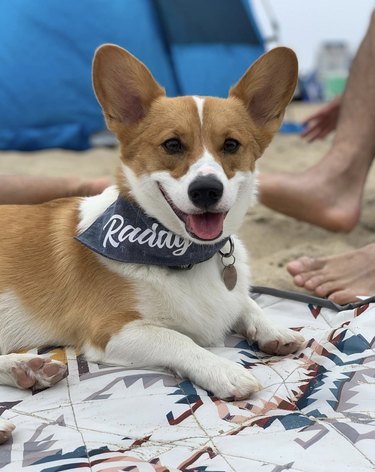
point(341, 278)
point(329, 198)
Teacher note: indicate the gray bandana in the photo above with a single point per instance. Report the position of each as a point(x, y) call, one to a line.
point(125, 233)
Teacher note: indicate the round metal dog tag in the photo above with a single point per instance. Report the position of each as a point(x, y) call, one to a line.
point(230, 276)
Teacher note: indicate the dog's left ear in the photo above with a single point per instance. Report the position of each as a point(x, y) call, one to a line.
point(267, 87)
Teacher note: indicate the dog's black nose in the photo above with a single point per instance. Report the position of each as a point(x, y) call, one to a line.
point(205, 191)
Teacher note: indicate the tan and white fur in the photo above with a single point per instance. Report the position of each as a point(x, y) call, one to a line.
point(55, 291)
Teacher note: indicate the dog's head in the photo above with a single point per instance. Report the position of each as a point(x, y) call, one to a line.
point(189, 161)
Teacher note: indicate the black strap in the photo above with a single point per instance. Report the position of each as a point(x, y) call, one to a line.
point(306, 298)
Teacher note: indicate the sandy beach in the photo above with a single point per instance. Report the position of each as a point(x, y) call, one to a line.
point(272, 239)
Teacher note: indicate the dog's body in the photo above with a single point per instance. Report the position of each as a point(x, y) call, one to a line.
point(189, 163)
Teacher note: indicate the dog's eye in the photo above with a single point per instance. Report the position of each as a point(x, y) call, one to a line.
point(173, 146)
point(230, 146)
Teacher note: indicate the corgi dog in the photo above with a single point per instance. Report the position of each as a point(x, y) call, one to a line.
point(150, 272)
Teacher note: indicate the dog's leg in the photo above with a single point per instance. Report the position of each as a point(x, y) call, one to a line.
point(6, 428)
point(141, 345)
point(271, 338)
point(26, 370)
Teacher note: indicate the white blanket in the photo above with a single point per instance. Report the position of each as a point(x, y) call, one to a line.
point(316, 411)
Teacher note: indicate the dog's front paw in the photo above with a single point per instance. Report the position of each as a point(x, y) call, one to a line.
point(280, 341)
point(6, 428)
point(227, 380)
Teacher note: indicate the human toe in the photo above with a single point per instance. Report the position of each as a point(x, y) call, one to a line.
point(304, 264)
point(299, 280)
point(326, 289)
point(342, 297)
point(315, 282)
point(295, 267)
point(308, 280)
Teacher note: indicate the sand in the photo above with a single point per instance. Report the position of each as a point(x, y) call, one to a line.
point(272, 239)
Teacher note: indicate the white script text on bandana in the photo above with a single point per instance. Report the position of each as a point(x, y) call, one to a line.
point(118, 232)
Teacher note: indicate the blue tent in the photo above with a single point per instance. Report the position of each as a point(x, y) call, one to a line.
point(196, 47)
point(211, 43)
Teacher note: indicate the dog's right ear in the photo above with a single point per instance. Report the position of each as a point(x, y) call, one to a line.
point(124, 87)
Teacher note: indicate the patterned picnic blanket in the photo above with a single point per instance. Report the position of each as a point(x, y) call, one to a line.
point(316, 411)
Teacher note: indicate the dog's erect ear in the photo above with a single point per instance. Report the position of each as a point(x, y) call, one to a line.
point(123, 85)
point(267, 87)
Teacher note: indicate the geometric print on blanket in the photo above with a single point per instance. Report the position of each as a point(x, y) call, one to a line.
point(316, 410)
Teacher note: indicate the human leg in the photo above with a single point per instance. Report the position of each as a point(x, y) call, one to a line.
point(19, 189)
point(329, 194)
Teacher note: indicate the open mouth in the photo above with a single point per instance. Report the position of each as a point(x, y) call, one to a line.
point(206, 226)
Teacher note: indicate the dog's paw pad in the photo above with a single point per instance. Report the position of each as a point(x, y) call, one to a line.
point(36, 363)
point(38, 372)
point(23, 377)
point(6, 428)
point(53, 370)
point(49, 373)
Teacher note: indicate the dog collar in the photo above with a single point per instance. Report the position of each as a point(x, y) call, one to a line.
point(125, 233)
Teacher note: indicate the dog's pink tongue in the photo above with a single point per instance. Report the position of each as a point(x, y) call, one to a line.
point(206, 226)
